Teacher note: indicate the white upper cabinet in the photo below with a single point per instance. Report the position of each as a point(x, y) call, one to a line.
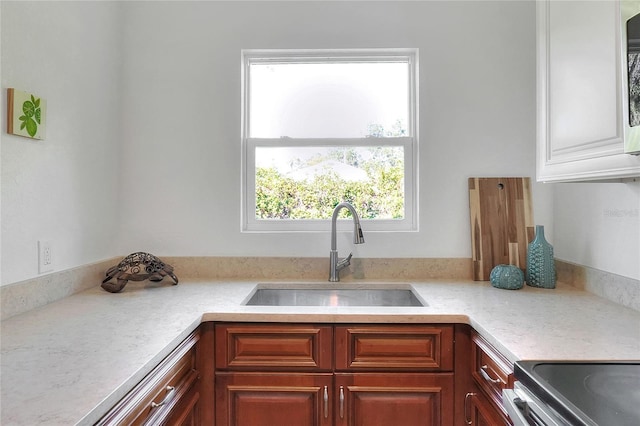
point(582, 83)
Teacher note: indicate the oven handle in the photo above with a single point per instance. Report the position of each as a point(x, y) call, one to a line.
point(518, 410)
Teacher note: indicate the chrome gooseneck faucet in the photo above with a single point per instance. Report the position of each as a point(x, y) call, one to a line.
point(336, 265)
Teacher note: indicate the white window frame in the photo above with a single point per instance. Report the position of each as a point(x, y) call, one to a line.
point(249, 223)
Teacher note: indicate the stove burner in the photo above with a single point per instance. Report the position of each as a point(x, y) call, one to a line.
point(621, 392)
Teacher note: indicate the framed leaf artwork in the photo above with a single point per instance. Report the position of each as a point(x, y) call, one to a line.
point(26, 114)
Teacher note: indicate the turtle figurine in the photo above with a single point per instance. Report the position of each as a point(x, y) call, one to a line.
point(137, 266)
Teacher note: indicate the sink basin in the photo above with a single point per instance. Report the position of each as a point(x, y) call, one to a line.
point(331, 295)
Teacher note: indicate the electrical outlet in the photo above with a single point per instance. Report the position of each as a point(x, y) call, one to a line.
point(45, 257)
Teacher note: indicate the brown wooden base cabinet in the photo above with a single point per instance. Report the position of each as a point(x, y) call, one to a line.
point(272, 374)
point(344, 375)
point(169, 395)
point(491, 374)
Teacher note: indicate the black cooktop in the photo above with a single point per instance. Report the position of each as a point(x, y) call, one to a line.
point(586, 393)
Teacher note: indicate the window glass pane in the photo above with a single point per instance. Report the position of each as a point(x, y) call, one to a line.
point(327, 100)
point(307, 182)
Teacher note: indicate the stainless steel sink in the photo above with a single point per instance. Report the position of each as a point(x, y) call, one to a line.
point(331, 295)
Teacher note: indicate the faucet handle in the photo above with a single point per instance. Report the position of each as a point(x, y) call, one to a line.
point(344, 262)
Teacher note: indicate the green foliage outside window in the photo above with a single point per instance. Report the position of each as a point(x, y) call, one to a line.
point(381, 197)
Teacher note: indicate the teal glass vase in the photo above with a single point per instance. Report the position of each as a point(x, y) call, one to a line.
point(541, 268)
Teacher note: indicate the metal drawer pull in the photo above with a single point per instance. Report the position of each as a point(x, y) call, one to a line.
point(467, 417)
point(326, 402)
point(483, 373)
point(342, 402)
point(167, 397)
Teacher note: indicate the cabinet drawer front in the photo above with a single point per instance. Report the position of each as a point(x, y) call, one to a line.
point(155, 396)
point(491, 371)
point(273, 346)
point(406, 347)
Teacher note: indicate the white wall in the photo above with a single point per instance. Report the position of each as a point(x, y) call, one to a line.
point(180, 182)
point(62, 189)
point(1, 131)
point(598, 225)
point(181, 147)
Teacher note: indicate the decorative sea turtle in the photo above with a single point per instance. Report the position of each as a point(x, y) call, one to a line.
point(137, 266)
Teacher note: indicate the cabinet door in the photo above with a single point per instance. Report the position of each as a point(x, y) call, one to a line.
point(383, 399)
point(581, 77)
point(271, 399)
point(482, 412)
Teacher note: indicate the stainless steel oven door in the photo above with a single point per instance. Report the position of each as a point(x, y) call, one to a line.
point(527, 410)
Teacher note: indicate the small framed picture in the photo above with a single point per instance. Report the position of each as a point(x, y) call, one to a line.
point(26, 114)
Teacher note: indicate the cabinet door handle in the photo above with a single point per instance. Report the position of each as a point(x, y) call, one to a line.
point(167, 397)
point(342, 402)
point(467, 417)
point(483, 373)
point(326, 402)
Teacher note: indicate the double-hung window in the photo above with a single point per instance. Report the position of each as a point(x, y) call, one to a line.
point(324, 126)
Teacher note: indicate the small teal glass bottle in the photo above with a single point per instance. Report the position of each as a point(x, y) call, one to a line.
point(541, 268)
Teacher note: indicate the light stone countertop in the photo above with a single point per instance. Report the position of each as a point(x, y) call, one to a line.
point(70, 361)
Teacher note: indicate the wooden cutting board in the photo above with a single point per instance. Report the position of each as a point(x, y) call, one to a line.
point(501, 223)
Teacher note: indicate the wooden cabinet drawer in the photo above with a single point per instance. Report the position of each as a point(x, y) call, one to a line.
point(406, 347)
point(152, 400)
point(490, 369)
point(273, 346)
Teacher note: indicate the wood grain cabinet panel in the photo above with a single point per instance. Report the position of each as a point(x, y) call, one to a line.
point(409, 347)
point(162, 392)
point(481, 411)
point(383, 399)
point(325, 375)
point(187, 413)
point(273, 346)
point(272, 399)
point(491, 371)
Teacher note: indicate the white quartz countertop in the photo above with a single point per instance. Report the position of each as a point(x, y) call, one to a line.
point(70, 361)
